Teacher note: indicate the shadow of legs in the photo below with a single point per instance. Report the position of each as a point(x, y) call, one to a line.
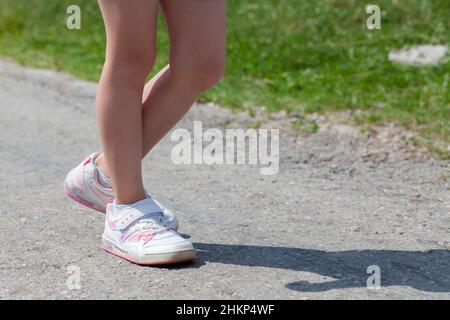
point(422, 270)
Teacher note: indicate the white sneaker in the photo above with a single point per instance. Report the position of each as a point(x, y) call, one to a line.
point(137, 233)
point(82, 185)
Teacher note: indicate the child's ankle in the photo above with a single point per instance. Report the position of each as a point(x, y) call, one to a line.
point(129, 200)
point(102, 176)
point(100, 162)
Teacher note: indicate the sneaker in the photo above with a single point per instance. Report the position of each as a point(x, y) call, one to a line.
point(83, 185)
point(138, 233)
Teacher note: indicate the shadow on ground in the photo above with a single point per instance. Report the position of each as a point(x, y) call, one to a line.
point(422, 270)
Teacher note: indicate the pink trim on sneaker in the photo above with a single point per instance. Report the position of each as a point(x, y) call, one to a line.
point(81, 201)
point(132, 260)
point(86, 160)
point(145, 236)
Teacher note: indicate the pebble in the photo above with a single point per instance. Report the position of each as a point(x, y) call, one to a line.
point(419, 55)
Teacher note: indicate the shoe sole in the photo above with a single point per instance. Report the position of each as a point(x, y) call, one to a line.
point(150, 259)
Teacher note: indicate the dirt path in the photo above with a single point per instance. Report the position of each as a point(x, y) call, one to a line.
point(339, 204)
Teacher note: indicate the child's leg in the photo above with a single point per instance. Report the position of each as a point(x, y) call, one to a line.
point(197, 31)
point(131, 33)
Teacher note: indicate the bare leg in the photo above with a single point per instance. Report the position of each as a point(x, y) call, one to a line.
point(131, 34)
point(197, 31)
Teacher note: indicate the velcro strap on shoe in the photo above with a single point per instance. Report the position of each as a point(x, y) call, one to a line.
point(132, 214)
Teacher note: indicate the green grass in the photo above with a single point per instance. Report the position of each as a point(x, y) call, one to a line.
point(297, 55)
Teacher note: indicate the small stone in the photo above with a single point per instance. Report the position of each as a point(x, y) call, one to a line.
point(419, 55)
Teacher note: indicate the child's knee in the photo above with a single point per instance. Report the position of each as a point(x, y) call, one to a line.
point(133, 65)
point(202, 75)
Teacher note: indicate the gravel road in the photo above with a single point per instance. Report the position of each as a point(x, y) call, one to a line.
point(341, 202)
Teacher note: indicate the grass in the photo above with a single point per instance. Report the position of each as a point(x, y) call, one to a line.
point(296, 55)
